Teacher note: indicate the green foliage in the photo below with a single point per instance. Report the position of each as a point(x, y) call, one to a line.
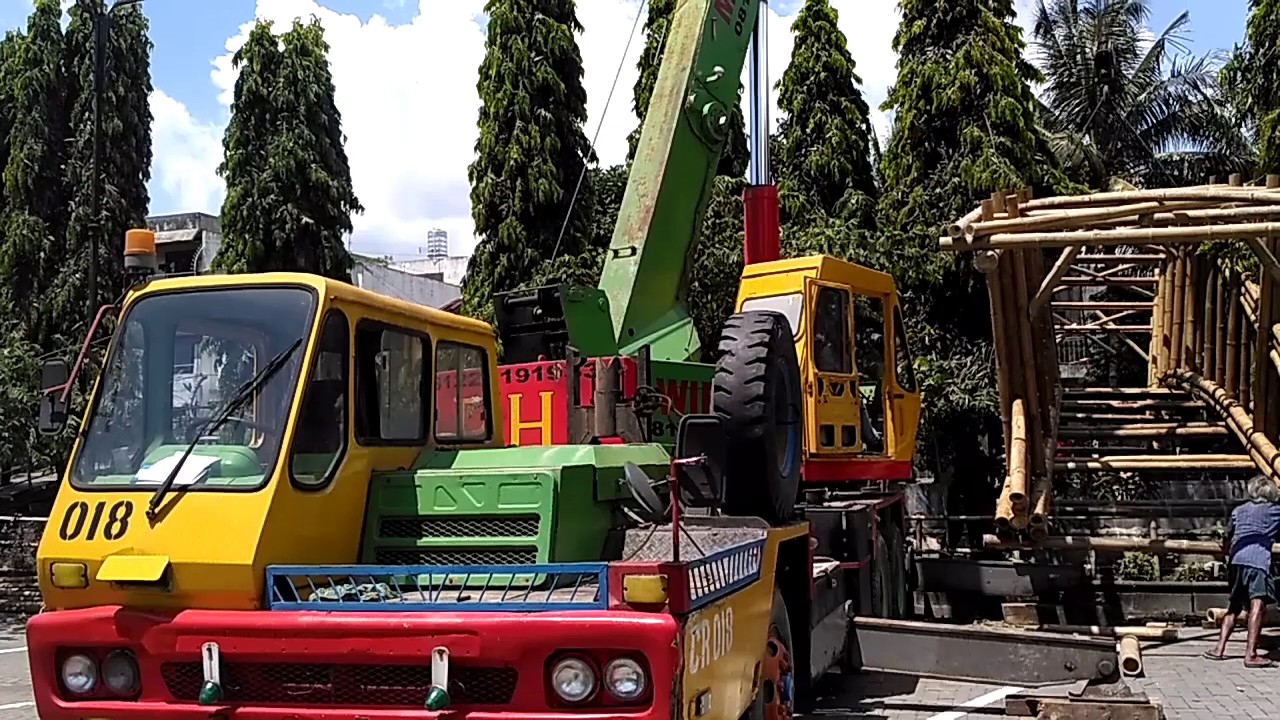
point(716, 269)
point(734, 156)
point(1137, 566)
point(290, 197)
point(34, 212)
point(1117, 105)
point(1251, 81)
point(9, 47)
point(964, 126)
point(125, 164)
point(531, 148)
point(825, 139)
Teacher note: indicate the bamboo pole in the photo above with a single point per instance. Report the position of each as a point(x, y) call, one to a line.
point(1215, 616)
point(1189, 355)
point(1105, 327)
point(1220, 328)
point(1232, 370)
point(1157, 462)
point(1204, 194)
point(1129, 650)
point(1018, 457)
point(1101, 305)
point(1108, 281)
point(1123, 258)
point(1031, 392)
point(1051, 281)
point(1146, 430)
point(1177, 235)
point(1264, 388)
point(1158, 546)
point(999, 333)
point(1266, 258)
point(1069, 218)
point(1246, 367)
point(987, 260)
point(1137, 631)
point(1208, 332)
point(1038, 528)
point(1179, 307)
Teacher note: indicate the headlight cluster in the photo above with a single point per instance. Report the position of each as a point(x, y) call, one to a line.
point(575, 679)
point(82, 675)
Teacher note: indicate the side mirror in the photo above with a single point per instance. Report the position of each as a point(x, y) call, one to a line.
point(702, 483)
point(51, 417)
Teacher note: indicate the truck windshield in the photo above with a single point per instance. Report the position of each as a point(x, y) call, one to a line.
point(177, 358)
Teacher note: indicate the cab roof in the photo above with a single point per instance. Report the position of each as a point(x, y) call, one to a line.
point(324, 287)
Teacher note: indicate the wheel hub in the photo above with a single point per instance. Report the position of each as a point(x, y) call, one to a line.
point(777, 684)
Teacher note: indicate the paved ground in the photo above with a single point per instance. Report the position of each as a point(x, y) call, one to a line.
point(1191, 687)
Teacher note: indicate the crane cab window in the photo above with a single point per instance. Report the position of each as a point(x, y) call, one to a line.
point(390, 385)
point(320, 433)
point(832, 353)
point(869, 348)
point(462, 394)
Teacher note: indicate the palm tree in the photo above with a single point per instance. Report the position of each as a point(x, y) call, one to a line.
point(1118, 103)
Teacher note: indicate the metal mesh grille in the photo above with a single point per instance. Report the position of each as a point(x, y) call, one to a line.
point(456, 556)
point(352, 685)
point(443, 527)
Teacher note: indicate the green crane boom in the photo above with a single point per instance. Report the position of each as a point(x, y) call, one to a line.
point(646, 270)
point(640, 300)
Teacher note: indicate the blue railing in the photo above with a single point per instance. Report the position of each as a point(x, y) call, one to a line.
point(440, 588)
point(720, 573)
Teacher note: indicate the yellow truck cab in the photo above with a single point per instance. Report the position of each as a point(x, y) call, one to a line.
point(285, 478)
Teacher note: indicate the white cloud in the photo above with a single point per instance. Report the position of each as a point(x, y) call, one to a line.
point(408, 98)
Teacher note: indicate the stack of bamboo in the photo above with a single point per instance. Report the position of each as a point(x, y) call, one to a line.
point(1026, 365)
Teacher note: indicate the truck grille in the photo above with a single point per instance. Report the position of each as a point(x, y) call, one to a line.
point(459, 527)
point(351, 685)
point(456, 556)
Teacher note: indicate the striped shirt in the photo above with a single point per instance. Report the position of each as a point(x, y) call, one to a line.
point(1255, 527)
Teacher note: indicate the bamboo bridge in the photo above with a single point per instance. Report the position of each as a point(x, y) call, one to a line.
point(1153, 275)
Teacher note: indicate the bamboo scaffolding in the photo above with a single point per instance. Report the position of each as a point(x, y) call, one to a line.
point(1018, 489)
point(1146, 430)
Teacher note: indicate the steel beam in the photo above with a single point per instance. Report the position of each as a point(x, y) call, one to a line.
point(978, 654)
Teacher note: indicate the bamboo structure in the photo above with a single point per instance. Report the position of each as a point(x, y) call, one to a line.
point(1208, 335)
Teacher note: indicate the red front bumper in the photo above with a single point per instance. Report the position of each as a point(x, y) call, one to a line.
point(344, 666)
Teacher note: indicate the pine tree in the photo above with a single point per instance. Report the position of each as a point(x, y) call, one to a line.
point(125, 163)
point(734, 156)
point(290, 197)
point(964, 126)
point(531, 148)
point(825, 138)
point(34, 219)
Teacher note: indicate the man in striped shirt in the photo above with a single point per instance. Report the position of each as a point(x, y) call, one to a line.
point(1253, 529)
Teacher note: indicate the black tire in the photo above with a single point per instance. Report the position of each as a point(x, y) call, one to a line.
point(780, 618)
point(756, 394)
point(897, 550)
point(881, 582)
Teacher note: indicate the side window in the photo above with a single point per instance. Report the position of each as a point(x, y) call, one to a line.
point(903, 368)
point(320, 434)
point(462, 393)
point(390, 385)
point(831, 332)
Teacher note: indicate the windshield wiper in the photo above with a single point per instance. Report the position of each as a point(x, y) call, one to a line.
point(242, 395)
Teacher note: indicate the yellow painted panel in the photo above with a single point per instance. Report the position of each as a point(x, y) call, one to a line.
point(132, 568)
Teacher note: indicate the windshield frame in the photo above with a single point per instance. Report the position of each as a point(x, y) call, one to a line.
point(284, 442)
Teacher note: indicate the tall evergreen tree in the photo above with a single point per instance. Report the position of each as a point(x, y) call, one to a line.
point(34, 218)
point(290, 197)
point(531, 149)
point(825, 138)
point(734, 157)
point(247, 229)
point(1252, 81)
point(125, 163)
point(9, 45)
point(964, 126)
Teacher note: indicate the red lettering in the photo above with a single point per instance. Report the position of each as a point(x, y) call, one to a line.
point(725, 9)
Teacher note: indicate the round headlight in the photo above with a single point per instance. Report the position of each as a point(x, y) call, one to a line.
point(120, 673)
point(624, 678)
point(573, 679)
point(79, 674)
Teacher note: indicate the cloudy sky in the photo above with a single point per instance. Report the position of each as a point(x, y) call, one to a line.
point(405, 72)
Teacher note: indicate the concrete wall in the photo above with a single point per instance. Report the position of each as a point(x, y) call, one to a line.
point(376, 276)
point(451, 269)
